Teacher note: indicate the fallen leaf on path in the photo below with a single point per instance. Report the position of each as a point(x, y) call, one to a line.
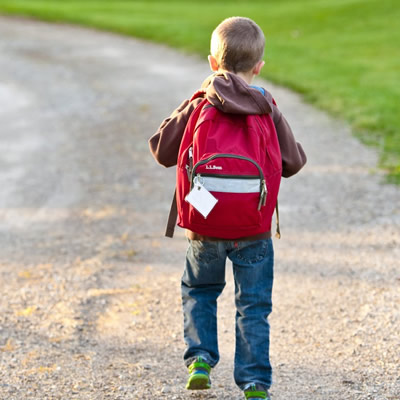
point(9, 346)
point(25, 274)
point(26, 312)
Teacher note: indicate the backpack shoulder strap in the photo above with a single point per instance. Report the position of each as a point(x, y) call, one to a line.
point(199, 93)
point(172, 217)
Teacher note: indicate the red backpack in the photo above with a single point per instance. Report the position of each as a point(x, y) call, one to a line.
point(237, 159)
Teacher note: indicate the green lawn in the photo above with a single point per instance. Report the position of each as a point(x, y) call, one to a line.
point(342, 55)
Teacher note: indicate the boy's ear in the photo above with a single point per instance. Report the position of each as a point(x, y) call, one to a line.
point(257, 69)
point(213, 63)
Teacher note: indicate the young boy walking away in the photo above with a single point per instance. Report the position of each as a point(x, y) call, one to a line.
point(237, 48)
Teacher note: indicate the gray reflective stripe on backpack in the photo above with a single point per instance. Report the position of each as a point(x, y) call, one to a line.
point(230, 185)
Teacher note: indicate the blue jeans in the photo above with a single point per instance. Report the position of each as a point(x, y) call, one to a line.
point(202, 283)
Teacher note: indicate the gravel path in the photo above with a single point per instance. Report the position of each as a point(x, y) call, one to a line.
point(90, 288)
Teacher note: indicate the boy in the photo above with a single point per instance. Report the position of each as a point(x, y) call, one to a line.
point(237, 48)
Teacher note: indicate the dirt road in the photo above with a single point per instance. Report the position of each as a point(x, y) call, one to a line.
point(90, 303)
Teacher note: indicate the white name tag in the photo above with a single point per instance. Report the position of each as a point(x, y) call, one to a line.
point(201, 199)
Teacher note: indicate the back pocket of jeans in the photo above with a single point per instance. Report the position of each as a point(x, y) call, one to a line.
point(253, 252)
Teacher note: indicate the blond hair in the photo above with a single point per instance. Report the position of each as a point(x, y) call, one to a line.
point(237, 44)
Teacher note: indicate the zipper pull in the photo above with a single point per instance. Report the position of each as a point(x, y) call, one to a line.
point(188, 172)
point(189, 167)
point(263, 195)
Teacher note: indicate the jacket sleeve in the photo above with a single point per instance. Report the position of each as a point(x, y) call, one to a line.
point(164, 144)
point(293, 155)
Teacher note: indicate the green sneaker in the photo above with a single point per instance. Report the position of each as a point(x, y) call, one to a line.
point(199, 375)
point(256, 392)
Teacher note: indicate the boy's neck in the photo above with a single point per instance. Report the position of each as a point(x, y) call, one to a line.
point(246, 76)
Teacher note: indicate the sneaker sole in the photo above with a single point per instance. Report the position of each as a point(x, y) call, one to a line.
point(198, 382)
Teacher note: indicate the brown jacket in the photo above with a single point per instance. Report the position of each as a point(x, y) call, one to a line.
point(230, 94)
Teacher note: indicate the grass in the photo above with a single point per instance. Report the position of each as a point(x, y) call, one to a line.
point(341, 55)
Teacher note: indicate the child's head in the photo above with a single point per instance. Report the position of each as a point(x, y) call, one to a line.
point(237, 45)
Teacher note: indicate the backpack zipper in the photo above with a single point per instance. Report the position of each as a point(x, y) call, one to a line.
point(263, 186)
point(229, 176)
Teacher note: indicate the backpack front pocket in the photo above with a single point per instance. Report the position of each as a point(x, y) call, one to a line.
point(238, 201)
point(237, 182)
point(229, 212)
